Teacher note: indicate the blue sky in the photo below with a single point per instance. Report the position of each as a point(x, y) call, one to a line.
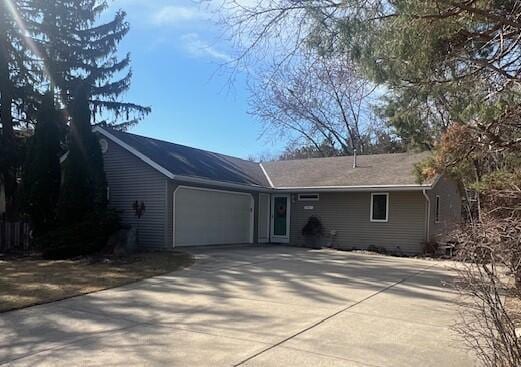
point(177, 50)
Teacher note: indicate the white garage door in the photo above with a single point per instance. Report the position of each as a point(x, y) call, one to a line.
point(210, 217)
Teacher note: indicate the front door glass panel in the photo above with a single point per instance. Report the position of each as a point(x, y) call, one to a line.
point(280, 216)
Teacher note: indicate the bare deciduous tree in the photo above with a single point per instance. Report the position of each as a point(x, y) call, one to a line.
point(490, 273)
point(271, 29)
point(319, 100)
point(460, 58)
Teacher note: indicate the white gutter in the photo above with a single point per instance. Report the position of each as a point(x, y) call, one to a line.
point(428, 216)
point(214, 183)
point(409, 187)
point(272, 188)
point(172, 176)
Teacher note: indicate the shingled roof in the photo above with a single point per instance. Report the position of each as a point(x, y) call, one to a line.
point(371, 171)
point(393, 170)
point(190, 162)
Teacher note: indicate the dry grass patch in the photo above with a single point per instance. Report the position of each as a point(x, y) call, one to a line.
point(29, 281)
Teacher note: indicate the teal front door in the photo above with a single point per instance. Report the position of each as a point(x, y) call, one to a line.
point(280, 212)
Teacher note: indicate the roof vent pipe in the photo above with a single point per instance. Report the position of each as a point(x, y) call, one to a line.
point(354, 158)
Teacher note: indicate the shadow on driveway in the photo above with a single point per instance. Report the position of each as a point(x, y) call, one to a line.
point(256, 305)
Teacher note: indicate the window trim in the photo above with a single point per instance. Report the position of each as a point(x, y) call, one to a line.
point(317, 198)
point(386, 208)
point(437, 209)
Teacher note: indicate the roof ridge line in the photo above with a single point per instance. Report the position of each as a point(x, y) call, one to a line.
point(266, 175)
point(345, 156)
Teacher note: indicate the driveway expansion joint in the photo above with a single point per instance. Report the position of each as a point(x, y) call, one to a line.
point(325, 319)
point(240, 306)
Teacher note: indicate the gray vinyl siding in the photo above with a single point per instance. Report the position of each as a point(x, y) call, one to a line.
point(450, 208)
point(348, 214)
point(172, 185)
point(130, 179)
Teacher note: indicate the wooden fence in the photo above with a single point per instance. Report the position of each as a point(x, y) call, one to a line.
point(14, 236)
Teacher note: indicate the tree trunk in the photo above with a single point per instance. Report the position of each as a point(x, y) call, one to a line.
point(7, 139)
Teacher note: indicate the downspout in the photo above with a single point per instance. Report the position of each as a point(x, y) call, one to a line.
point(428, 216)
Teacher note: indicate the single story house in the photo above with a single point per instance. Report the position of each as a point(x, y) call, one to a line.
point(193, 197)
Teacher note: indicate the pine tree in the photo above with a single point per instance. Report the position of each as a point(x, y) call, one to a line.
point(42, 168)
point(84, 185)
point(17, 94)
point(77, 49)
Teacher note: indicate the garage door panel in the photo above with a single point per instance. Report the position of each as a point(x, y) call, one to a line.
point(205, 217)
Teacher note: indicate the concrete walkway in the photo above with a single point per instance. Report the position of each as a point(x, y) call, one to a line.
point(257, 306)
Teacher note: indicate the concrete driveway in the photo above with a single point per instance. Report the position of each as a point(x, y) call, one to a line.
point(252, 306)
